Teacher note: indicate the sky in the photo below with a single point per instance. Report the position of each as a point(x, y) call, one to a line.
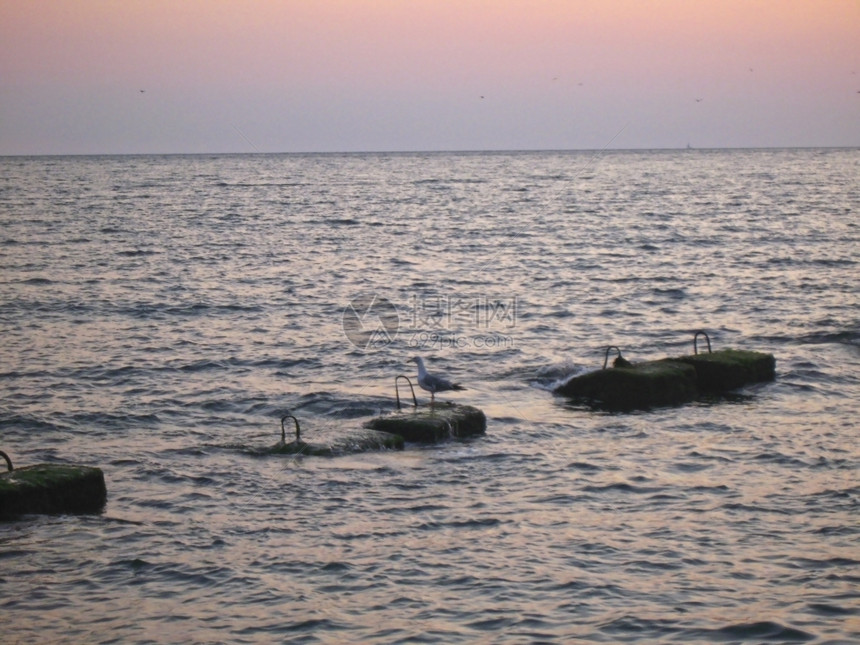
point(214, 76)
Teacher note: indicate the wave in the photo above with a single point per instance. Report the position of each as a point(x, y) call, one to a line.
point(622, 487)
point(762, 631)
point(338, 406)
point(135, 253)
point(29, 423)
point(848, 337)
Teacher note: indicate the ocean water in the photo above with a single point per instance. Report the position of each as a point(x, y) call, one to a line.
point(160, 314)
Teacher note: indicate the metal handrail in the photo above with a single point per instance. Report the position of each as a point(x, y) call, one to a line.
point(397, 390)
point(284, 432)
point(696, 339)
point(609, 349)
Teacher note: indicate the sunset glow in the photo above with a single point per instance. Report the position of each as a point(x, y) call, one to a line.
point(90, 76)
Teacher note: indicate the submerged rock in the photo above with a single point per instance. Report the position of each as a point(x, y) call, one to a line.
point(432, 424)
point(361, 440)
point(52, 488)
point(670, 381)
point(364, 440)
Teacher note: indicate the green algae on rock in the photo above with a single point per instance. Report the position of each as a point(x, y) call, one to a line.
point(433, 424)
point(52, 488)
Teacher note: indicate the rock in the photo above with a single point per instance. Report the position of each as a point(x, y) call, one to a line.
point(643, 385)
point(670, 381)
point(433, 424)
point(730, 369)
point(52, 488)
point(364, 440)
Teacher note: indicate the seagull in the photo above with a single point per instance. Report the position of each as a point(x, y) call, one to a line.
point(433, 383)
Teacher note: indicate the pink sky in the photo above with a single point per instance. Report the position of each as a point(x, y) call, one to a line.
point(344, 75)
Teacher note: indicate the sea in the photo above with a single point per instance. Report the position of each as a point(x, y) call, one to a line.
point(161, 314)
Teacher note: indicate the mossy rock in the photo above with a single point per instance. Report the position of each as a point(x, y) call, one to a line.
point(640, 386)
point(670, 381)
point(729, 369)
point(433, 424)
point(52, 488)
point(364, 440)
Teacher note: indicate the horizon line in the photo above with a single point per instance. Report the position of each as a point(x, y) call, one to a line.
point(407, 152)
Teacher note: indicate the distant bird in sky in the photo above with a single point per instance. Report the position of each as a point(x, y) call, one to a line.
point(433, 383)
point(698, 100)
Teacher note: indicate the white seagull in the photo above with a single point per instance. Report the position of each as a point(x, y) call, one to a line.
point(433, 383)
